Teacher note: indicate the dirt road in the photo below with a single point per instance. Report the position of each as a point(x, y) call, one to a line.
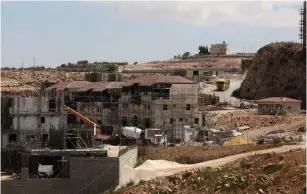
point(166, 168)
point(288, 128)
point(225, 160)
point(225, 96)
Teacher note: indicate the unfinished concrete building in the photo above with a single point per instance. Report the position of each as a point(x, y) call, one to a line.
point(103, 77)
point(165, 102)
point(97, 101)
point(27, 119)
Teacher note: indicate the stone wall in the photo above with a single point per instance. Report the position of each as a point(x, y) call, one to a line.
point(129, 158)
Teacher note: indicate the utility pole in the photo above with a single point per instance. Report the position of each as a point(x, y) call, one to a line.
point(33, 61)
point(164, 133)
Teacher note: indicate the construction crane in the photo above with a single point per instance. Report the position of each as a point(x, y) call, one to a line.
point(97, 129)
point(135, 134)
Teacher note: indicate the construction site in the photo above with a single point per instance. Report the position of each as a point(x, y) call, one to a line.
point(158, 127)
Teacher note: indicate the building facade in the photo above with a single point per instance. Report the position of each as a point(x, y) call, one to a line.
point(279, 106)
point(28, 118)
point(165, 102)
point(219, 49)
point(98, 101)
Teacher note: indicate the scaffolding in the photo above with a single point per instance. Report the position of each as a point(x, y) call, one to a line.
point(157, 105)
point(166, 105)
point(302, 25)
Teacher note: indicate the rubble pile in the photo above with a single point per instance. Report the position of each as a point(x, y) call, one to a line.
point(252, 119)
point(278, 69)
point(27, 82)
point(266, 173)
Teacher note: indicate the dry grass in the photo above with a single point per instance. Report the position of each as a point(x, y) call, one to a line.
point(196, 154)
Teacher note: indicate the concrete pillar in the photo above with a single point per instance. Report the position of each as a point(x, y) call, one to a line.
point(24, 173)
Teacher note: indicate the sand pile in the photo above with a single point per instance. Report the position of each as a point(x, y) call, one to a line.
point(158, 165)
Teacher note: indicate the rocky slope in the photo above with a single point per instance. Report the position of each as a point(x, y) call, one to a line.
point(27, 82)
point(266, 173)
point(278, 69)
point(192, 63)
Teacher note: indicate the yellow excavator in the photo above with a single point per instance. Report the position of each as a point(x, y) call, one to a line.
point(97, 129)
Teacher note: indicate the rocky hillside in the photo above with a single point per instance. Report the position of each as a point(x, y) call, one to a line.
point(191, 63)
point(266, 173)
point(278, 69)
point(27, 82)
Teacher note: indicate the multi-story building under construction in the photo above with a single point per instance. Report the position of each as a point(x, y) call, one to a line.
point(165, 102)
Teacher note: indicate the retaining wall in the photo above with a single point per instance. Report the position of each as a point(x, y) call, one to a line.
point(130, 158)
point(87, 176)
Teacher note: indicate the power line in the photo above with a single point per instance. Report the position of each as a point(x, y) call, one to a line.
point(95, 179)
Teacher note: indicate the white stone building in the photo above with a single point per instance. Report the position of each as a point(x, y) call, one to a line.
point(219, 49)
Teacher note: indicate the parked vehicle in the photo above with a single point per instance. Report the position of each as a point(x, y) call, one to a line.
point(222, 84)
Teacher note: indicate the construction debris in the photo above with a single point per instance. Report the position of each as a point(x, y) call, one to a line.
point(252, 119)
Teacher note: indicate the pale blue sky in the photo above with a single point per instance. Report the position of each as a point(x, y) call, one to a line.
point(62, 32)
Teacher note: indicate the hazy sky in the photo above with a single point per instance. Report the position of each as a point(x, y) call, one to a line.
point(62, 32)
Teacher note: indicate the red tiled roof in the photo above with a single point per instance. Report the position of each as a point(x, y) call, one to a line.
point(278, 99)
point(58, 85)
point(152, 79)
point(77, 84)
point(101, 86)
point(68, 85)
point(84, 86)
point(92, 86)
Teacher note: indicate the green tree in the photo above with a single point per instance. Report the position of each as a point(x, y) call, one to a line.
point(177, 56)
point(70, 65)
point(203, 50)
point(186, 54)
point(135, 63)
point(82, 62)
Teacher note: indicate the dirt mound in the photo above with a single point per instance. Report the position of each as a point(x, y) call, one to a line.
point(278, 69)
point(266, 173)
point(158, 164)
point(27, 82)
